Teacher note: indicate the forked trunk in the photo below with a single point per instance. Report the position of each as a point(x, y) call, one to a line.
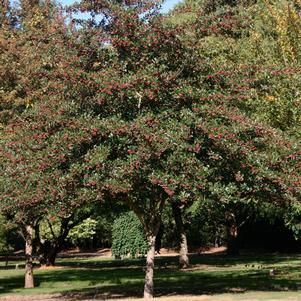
point(149, 273)
point(29, 283)
point(183, 258)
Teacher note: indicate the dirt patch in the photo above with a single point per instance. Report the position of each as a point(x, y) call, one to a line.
point(218, 250)
point(45, 267)
point(168, 252)
point(208, 250)
point(106, 252)
point(59, 297)
point(52, 297)
point(76, 252)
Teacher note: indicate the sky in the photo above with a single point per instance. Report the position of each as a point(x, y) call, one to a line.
point(167, 5)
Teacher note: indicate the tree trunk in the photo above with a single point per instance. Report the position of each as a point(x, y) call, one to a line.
point(151, 220)
point(159, 238)
point(217, 235)
point(48, 253)
point(232, 240)
point(51, 257)
point(216, 240)
point(29, 283)
point(150, 262)
point(49, 249)
point(183, 258)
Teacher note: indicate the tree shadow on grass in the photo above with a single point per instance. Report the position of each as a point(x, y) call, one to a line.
point(223, 260)
point(217, 260)
point(175, 282)
point(103, 279)
point(112, 263)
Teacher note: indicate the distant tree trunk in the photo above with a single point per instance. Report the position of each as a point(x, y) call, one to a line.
point(217, 236)
point(51, 257)
point(29, 283)
point(183, 258)
point(216, 240)
point(159, 238)
point(150, 263)
point(48, 252)
point(48, 249)
point(232, 240)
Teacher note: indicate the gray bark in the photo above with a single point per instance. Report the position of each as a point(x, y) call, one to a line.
point(29, 282)
point(151, 221)
point(183, 258)
point(149, 274)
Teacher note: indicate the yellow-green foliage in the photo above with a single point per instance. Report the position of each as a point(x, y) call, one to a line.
point(85, 230)
point(287, 23)
point(272, 44)
point(276, 43)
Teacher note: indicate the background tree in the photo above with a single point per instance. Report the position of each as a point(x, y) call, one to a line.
point(128, 237)
point(25, 192)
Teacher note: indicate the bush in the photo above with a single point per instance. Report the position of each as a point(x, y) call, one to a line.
point(83, 233)
point(128, 238)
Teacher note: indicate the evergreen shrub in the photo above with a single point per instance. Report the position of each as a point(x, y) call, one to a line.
point(128, 238)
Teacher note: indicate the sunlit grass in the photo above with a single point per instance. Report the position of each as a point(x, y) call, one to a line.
point(245, 276)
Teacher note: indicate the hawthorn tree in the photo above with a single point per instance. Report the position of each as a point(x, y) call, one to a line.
point(171, 125)
point(14, 94)
point(37, 149)
point(127, 109)
point(246, 67)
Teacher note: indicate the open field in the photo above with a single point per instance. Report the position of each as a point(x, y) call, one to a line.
point(211, 277)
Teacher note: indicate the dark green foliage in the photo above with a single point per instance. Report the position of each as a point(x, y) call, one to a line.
point(128, 237)
point(4, 246)
point(10, 238)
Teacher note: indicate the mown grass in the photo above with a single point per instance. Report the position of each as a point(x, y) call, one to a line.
point(209, 274)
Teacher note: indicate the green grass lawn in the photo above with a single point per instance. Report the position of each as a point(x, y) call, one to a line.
point(244, 276)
